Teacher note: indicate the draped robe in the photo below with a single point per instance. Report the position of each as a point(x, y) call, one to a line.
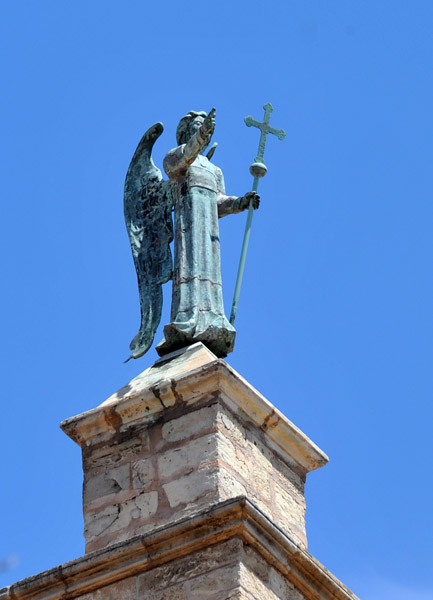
point(197, 310)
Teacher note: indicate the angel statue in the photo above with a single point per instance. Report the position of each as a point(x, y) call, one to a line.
point(195, 191)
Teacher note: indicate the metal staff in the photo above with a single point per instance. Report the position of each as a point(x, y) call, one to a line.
point(258, 169)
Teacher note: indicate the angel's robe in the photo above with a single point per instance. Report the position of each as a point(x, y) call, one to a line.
point(197, 310)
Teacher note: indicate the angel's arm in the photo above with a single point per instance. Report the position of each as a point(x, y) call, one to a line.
point(180, 158)
point(229, 205)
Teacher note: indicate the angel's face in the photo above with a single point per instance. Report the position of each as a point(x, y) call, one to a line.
point(195, 125)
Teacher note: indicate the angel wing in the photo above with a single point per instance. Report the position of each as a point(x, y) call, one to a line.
point(147, 208)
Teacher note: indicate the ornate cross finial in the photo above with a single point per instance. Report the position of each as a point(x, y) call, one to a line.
point(265, 128)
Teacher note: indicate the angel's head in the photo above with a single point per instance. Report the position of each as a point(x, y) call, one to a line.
point(188, 125)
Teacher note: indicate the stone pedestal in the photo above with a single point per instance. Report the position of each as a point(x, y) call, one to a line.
point(186, 434)
point(193, 490)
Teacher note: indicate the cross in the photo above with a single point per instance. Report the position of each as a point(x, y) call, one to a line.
point(265, 129)
point(257, 169)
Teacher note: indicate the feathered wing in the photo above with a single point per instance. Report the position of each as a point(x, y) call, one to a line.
point(147, 207)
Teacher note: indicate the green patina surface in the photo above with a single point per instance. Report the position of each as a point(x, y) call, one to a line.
point(258, 169)
point(196, 192)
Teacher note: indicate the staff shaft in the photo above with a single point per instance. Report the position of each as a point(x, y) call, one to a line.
point(243, 255)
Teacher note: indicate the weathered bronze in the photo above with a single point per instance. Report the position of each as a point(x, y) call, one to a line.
point(258, 169)
point(196, 192)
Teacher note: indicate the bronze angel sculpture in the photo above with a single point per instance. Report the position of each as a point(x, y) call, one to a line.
point(195, 191)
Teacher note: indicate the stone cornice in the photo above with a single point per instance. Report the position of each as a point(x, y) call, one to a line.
point(236, 517)
point(139, 402)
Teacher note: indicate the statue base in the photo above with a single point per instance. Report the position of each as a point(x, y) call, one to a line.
point(184, 435)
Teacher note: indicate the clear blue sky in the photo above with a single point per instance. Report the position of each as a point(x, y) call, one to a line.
point(335, 319)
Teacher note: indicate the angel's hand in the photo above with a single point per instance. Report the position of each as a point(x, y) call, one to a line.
point(249, 197)
point(208, 125)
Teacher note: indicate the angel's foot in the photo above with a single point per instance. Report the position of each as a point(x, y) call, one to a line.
point(167, 345)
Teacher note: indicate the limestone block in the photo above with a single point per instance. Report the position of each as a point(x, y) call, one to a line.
point(229, 452)
point(121, 450)
point(276, 488)
point(255, 586)
point(192, 456)
point(255, 563)
point(143, 474)
point(97, 523)
point(190, 424)
point(176, 592)
point(121, 590)
point(220, 580)
point(189, 568)
point(230, 486)
point(263, 581)
point(281, 587)
point(118, 517)
point(236, 595)
point(190, 488)
point(106, 483)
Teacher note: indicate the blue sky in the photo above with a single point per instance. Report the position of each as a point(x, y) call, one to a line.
point(335, 317)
